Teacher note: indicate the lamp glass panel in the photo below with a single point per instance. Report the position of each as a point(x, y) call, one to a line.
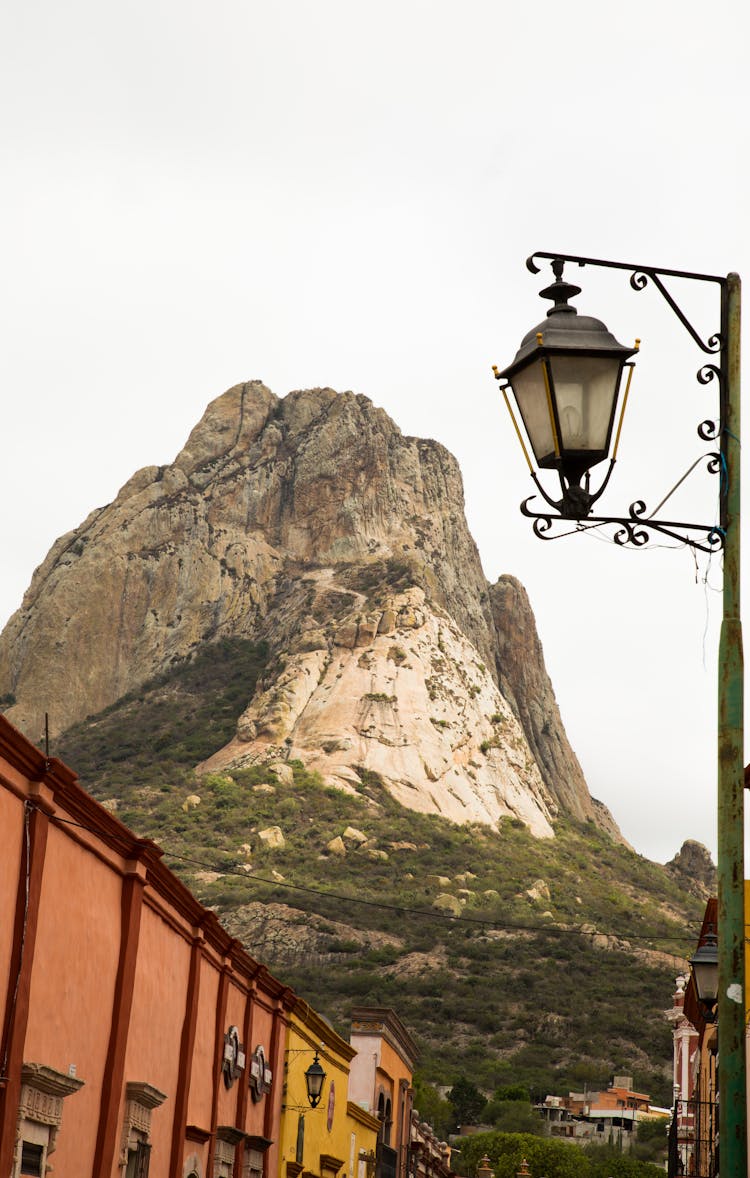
point(706, 974)
point(585, 391)
point(314, 1078)
point(531, 396)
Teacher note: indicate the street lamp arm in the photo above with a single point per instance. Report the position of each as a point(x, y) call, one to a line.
point(579, 261)
point(639, 279)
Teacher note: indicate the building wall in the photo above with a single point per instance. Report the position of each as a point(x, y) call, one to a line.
point(382, 1072)
point(338, 1134)
point(117, 989)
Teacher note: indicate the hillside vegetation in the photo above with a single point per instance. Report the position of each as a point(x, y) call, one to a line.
point(556, 972)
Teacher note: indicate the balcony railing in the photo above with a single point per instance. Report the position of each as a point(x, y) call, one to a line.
point(694, 1140)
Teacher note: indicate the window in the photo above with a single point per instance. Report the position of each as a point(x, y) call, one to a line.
point(32, 1158)
point(140, 1100)
point(384, 1116)
point(40, 1111)
point(227, 1139)
point(138, 1161)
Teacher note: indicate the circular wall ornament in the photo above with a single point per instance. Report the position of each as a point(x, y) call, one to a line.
point(234, 1057)
point(261, 1075)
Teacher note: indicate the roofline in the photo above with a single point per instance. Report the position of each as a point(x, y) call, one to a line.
point(384, 1020)
point(321, 1029)
point(69, 795)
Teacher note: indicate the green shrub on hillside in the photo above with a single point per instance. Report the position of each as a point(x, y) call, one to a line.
point(511, 992)
point(547, 1156)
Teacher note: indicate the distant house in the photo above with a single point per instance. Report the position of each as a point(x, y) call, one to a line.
point(611, 1115)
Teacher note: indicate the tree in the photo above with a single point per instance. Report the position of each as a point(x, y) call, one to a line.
point(512, 1092)
point(513, 1116)
point(545, 1155)
point(467, 1101)
point(432, 1108)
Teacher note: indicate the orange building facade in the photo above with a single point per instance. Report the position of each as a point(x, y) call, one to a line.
point(138, 1038)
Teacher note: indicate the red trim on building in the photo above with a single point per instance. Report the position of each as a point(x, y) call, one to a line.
point(219, 1032)
point(36, 827)
point(187, 1044)
point(112, 1083)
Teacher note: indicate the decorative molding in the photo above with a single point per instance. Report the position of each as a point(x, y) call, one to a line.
point(195, 1133)
point(255, 1141)
point(223, 1153)
point(330, 1163)
point(42, 1093)
point(229, 1134)
point(144, 1094)
point(140, 1100)
point(382, 1020)
point(233, 1058)
point(261, 1076)
point(362, 1115)
point(44, 1079)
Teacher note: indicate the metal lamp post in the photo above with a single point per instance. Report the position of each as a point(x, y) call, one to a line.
point(566, 380)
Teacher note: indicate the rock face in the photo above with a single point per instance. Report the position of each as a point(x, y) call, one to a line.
point(693, 866)
point(312, 523)
point(403, 693)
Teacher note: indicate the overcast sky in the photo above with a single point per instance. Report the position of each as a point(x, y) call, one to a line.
point(344, 194)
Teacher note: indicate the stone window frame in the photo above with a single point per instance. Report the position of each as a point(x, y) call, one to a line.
point(192, 1167)
point(140, 1101)
point(253, 1155)
point(227, 1140)
point(40, 1109)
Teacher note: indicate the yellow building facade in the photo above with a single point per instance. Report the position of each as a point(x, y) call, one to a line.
point(338, 1138)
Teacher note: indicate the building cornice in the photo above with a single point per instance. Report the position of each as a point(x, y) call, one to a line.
point(83, 816)
point(382, 1020)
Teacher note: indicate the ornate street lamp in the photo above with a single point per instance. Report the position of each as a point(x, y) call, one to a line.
point(566, 379)
point(566, 382)
point(705, 966)
point(315, 1079)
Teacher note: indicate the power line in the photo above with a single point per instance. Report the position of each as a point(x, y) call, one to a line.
point(404, 909)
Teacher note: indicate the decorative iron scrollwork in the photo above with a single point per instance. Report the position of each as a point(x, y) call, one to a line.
point(709, 430)
point(634, 530)
point(637, 527)
point(707, 373)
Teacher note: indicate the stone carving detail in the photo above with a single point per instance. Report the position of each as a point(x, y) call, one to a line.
point(140, 1100)
point(42, 1093)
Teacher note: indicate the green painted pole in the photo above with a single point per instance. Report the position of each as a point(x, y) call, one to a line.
point(732, 1062)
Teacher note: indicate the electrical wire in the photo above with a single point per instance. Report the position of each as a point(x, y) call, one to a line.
point(403, 909)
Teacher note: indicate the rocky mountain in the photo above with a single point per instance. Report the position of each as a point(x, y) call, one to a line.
point(295, 607)
point(310, 523)
point(694, 868)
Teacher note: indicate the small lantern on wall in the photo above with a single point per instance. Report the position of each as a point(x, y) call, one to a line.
point(705, 966)
point(315, 1079)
